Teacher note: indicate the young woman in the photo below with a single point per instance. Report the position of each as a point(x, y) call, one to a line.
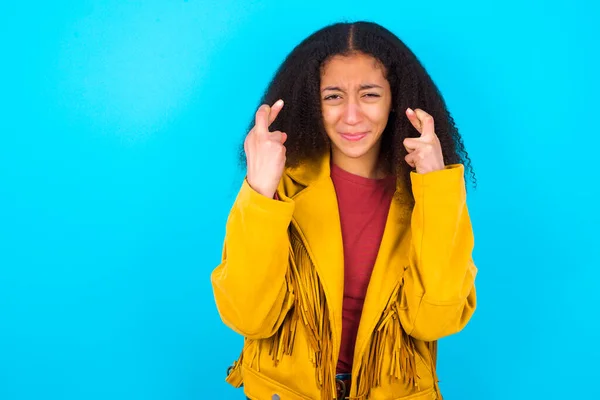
point(348, 251)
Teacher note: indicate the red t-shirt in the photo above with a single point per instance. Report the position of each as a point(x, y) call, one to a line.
point(363, 206)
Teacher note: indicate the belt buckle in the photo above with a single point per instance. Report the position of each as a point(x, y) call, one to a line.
point(342, 385)
point(341, 389)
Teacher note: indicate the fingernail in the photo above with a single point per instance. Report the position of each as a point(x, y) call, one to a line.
point(409, 110)
point(279, 102)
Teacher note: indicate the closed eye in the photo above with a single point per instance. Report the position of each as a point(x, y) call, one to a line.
point(337, 96)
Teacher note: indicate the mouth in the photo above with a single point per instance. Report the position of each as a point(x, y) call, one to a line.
point(354, 137)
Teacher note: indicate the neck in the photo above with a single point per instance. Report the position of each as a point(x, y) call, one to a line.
point(367, 166)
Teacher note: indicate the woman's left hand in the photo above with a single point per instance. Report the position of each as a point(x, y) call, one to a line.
point(424, 152)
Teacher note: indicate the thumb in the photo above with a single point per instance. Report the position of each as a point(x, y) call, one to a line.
point(278, 136)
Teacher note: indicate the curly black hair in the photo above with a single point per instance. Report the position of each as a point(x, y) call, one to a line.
point(297, 82)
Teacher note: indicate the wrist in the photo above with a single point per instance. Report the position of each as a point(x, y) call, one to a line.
point(265, 191)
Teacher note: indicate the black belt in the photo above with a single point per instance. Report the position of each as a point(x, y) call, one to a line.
point(342, 384)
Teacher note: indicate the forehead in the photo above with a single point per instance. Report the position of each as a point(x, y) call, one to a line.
point(353, 67)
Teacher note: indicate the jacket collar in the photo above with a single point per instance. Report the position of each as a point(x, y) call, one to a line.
point(312, 172)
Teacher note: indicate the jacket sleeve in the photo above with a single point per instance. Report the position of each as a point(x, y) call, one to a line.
point(438, 295)
point(249, 285)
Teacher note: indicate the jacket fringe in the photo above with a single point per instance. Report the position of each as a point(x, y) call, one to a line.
point(403, 365)
point(310, 309)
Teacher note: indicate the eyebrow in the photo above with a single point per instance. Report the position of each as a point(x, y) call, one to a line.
point(362, 87)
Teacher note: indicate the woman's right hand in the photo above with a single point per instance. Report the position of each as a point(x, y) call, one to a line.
point(265, 151)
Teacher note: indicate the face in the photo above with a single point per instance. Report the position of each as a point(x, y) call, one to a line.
point(355, 102)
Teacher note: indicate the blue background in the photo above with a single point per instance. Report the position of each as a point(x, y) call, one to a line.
point(119, 128)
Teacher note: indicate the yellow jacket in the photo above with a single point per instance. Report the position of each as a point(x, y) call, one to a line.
point(280, 285)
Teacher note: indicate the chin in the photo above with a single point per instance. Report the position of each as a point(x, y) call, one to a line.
point(354, 152)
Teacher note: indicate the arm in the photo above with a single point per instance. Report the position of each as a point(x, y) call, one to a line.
point(438, 296)
point(249, 285)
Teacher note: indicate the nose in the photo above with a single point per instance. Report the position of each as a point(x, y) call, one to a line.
point(352, 113)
